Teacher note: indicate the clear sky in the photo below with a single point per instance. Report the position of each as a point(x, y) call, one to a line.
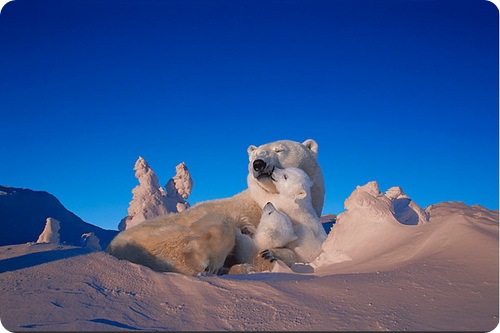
point(401, 92)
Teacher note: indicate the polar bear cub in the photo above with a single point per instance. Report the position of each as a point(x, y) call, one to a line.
point(294, 199)
point(274, 230)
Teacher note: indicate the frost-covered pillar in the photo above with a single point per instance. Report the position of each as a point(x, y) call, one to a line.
point(148, 197)
point(50, 233)
point(179, 188)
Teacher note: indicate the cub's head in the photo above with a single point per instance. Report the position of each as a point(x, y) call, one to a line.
point(275, 229)
point(292, 183)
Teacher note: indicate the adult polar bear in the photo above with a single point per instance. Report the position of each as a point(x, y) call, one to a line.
point(242, 210)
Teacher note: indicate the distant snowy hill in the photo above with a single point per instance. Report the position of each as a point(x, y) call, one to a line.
point(23, 213)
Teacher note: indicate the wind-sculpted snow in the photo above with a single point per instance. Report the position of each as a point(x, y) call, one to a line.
point(178, 189)
point(50, 233)
point(91, 241)
point(150, 200)
point(406, 210)
point(181, 184)
point(369, 231)
point(376, 274)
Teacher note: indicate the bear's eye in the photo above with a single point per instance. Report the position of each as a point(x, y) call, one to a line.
point(279, 149)
point(285, 176)
point(270, 213)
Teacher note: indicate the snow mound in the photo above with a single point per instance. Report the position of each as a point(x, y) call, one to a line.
point(369, 213)
point(386, 230)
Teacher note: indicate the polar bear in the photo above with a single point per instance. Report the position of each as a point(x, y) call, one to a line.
point(244, 209)
point(274, 230)
point(195, 249)
point(294, 199)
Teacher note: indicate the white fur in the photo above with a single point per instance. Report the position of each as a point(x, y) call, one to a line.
point(274, 230)
point(284, 154)
point(294, 199)
point(198, 248)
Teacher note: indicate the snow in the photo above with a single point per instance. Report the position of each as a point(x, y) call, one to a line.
point(178, 189)
point(24, 212)
point(377, 274)
point(50, 233)
point(91, 241)
point(150, 200)
point(406, 210)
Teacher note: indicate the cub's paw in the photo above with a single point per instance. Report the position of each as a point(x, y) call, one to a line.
point(268, 255)
point(264, 261)
point(242, 269)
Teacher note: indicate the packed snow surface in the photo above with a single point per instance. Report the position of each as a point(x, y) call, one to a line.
point(376, 274)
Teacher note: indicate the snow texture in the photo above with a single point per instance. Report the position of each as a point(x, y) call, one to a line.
point(437, 276)
point(406, 210)
point(91, 241)
point(151, 200)
point(50, 233)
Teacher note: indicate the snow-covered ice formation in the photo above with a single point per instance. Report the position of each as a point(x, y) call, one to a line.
point(50, 233)
point(178, 189)
point(406, 210)
point(148, 199)
point(91, 241)
point(151, 200)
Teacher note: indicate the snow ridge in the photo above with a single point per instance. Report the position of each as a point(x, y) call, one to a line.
point(371, 221)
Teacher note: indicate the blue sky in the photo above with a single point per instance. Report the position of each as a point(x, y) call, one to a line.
point(401, 92)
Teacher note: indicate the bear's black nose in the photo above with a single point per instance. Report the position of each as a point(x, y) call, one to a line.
point(259, 165)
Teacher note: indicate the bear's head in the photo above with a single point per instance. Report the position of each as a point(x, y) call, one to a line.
point(293, 184)
point(284, 154)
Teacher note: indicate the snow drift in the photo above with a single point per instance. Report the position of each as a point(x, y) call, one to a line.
point(377, 274)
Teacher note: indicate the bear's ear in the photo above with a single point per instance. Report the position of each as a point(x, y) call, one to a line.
point(311, 145)
point(250, 149)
